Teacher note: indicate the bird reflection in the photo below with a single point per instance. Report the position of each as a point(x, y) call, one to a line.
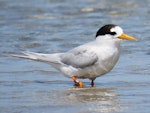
point(96, 99)
point(82, 100)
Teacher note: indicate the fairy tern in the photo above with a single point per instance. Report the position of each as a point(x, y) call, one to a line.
point(90, 60)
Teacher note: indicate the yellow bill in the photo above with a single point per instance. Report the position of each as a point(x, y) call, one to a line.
point(127, 37)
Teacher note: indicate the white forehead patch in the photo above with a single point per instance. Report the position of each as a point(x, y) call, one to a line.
point(118, 31)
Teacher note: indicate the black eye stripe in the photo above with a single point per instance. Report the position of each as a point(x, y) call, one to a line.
point(112, 33)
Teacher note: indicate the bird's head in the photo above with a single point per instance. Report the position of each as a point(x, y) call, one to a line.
point(113, 31)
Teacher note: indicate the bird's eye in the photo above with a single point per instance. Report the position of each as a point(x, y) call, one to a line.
point(113, 33)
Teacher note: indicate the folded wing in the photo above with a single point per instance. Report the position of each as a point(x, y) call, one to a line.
point(79, 58)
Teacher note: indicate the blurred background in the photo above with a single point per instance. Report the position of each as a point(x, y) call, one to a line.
point(50, 26)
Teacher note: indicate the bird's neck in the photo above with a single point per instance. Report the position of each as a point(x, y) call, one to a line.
point(106, 37)
point(108, 40)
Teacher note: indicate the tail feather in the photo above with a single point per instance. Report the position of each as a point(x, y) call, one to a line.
point(49, 58)
point(33, 56)
point(19, 56)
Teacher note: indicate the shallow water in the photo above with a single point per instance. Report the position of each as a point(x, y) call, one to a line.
point(50, 26)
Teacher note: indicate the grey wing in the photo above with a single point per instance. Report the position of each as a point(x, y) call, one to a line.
point(79, 58)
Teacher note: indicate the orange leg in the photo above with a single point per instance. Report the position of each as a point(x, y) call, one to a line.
point(74, 78)
point(77, 83)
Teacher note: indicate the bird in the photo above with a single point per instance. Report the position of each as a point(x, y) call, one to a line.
point(87, 61)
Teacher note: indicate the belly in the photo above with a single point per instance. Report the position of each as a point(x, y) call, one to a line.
point(91, 72)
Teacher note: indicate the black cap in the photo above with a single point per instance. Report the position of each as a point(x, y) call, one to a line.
point(106, 30)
